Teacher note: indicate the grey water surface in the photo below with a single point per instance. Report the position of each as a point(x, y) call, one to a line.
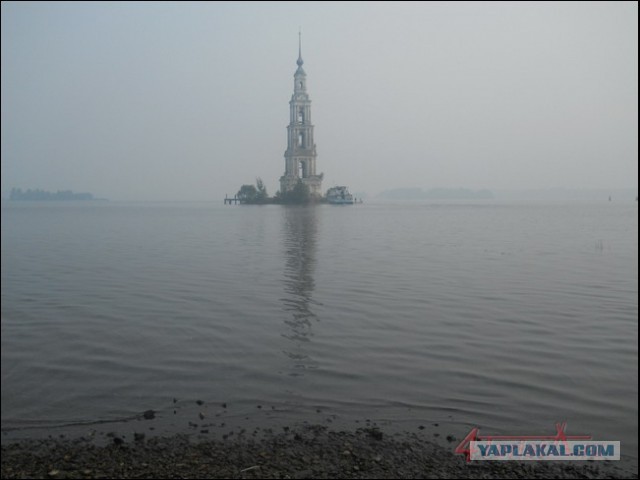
point(505, 316)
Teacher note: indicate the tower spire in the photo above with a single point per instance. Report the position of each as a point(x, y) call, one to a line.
point(300, 61)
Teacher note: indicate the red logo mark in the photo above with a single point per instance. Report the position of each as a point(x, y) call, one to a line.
point(474, 435)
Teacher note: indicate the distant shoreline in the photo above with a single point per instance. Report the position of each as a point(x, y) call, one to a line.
point(69, 200)
point(37, 195)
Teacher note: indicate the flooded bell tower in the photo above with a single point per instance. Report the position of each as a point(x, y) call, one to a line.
point(300, 156)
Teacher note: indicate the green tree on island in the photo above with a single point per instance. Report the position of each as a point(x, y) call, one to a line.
point(253, 194)
point(247, 194)
point(261, 194)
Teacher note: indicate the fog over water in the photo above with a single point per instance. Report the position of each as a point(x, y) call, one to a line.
point(489, 279)
point(187, 101)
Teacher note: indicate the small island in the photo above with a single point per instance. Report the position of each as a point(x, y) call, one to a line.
point(257, 195)
point(17, 194)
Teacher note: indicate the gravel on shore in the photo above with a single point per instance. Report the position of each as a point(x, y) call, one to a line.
point(302, 452)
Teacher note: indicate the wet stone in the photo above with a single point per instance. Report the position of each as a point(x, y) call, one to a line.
point(149, 415)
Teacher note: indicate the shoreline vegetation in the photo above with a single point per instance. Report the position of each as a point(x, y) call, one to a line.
point(308, 451)
point(17, 194)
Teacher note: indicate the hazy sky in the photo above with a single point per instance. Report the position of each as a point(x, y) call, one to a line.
point(187, 101)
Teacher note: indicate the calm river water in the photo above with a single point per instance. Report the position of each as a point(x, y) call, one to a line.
point(509, 317)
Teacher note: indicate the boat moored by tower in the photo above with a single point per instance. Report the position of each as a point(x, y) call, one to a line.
point(339, 196)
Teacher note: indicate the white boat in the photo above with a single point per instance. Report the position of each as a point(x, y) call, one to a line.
point(339, 196)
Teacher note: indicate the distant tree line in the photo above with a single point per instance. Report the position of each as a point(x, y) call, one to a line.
point(436, 194)
point(43, 195)
point(257, 195)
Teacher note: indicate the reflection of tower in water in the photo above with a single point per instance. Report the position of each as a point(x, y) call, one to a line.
point(300, 230)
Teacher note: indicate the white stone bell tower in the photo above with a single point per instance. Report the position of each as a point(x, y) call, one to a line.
point(300, 156)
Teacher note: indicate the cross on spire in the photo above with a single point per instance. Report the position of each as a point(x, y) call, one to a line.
point(300, 61)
